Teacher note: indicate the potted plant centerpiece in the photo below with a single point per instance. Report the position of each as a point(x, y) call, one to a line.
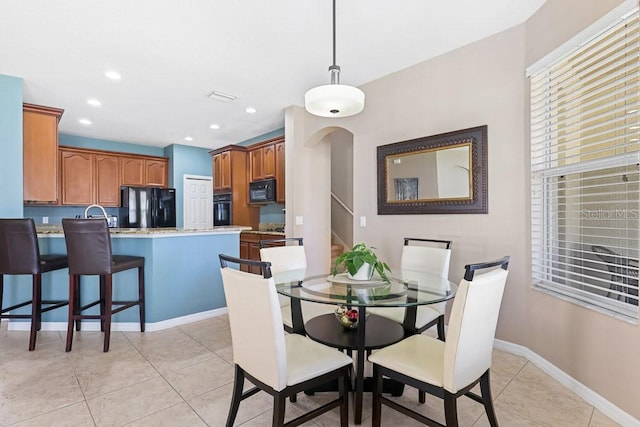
point(361, 262)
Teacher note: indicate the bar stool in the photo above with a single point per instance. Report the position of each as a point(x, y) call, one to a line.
point(20, 254)
point(89, 252)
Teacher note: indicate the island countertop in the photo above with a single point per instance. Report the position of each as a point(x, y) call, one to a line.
point(56, 231)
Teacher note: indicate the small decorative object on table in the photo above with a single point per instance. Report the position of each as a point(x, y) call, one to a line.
point(359, 258)
point(347, 318)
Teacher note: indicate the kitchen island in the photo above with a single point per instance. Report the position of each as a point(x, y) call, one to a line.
point(182, 276)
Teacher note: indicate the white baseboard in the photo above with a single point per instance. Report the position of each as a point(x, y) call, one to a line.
point(123, 326)
point(590, 396)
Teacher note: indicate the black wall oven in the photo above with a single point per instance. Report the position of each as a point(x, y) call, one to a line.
point(222, 209)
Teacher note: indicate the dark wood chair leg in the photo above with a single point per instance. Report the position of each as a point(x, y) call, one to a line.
point(102, 302)
point(278, 409)
point(39, 302)
point(108, 298)
point(72, 309)
point(487, 400)
point(343, 389)
point(377, 391)
point(422, 396)
point(35, 303)
point(293, 398)
point(450, 410)
point(440, 327)
point(78, 304)
point(141, 296)
point(236, 397)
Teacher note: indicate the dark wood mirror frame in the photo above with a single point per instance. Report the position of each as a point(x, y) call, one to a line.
point(476, 203)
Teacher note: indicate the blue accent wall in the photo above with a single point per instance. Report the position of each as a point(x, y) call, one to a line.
point(186, 160)
point(11, 144)
point(263, 137)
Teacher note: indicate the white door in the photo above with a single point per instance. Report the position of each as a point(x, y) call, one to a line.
point(198, 201)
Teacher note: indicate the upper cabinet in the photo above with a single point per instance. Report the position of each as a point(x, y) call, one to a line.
point(40, 153)
point(94, 176)
point(141, 171)
point(262, 160)
point(280, 175)
point(222, 171)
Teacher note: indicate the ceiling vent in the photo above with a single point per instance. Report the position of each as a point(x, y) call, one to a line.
point(222, 97)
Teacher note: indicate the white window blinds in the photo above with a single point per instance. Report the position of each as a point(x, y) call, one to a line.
point(585, 183)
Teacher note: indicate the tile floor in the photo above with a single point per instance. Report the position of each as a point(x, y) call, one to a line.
point(183, 377)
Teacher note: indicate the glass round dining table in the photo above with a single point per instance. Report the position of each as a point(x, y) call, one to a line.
point(406, 288)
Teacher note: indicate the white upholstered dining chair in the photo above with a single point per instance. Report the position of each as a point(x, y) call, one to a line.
point(277, 363)
point(449, 369)
point(290, 258)
point(428, 259)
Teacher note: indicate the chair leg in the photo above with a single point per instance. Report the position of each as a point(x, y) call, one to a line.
point(343, 390)
point(422, 396)
point(487, 400)
point(376, 417)
point(238, 383)
point(440, 327)
point(108, 298)
point(1, 293)
point(278, 410)
point(72, 309)
point(450, 410)
point(76, 308)
point(35, 304)
point(141, 296)
point(102, 302)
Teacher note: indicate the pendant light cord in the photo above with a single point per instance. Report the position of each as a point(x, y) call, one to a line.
point(334, 69)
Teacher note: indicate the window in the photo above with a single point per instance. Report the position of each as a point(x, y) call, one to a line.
point(585, 180)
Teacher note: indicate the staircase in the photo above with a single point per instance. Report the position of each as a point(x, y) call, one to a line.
point(336, 250)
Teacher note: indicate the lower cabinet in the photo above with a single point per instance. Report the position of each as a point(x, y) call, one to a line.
point(250, 247)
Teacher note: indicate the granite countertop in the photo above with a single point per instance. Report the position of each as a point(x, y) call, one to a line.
point(57, 229)
point(271, 228)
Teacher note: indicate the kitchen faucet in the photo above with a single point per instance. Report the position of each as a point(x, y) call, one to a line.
point(94, 206)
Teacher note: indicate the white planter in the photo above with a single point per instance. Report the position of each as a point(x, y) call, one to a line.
point(364, 273)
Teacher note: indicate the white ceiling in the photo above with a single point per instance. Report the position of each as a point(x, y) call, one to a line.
point(172, 54)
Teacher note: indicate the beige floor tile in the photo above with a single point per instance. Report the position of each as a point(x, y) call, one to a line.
point(598, 419)
point(213, 406)
point(212, 333)
point(535, 396)
point(92, 342)
point(170, 350)
point(179, 415)
point(506, 418)
point(30, 387)
point(104, 372)
point(201, 377)
point(18, 341)
point(133, 402)
point(77, 415)
point(226, 354)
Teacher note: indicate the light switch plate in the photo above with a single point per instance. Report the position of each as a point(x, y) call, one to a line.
point(363, 221)
point(299, 220)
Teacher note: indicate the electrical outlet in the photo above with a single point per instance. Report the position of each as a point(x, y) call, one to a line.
point(45, 220)
point(363, 221)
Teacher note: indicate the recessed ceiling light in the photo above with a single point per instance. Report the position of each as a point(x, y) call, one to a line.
point(94, 102)
point(223, 97)
point(113, 75)
point(215, 126)
point(188, 138)
point(250, 110)
point(86, 122)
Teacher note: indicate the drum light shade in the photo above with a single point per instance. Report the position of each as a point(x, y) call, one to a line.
point(334, 100)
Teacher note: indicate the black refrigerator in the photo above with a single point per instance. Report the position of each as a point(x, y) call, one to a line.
point(147, 207)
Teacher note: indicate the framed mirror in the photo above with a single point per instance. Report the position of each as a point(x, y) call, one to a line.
point(440, 174)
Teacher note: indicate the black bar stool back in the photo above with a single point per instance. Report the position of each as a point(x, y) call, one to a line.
point(89, 252)
point(20, 255)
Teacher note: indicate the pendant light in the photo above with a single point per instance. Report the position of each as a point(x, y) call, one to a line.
point(335, 99)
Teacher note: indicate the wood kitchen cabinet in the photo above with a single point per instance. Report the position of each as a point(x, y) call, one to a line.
point(262, 161)
point(222, 171)
point(230, 176)
point(280, 175)
point(40, 153)
point(95, 176)
point(141, 171)
point(250, 247)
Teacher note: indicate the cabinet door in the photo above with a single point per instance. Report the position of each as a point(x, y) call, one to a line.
point(217, 173)
point(156, 173)
point(107, 180)
point(256, 160)
point(254, 254)
point(77, 178)
point(269, 161)
point(222, 171)
point(132, 171)
point(280, 176)
point(40, 154)
point(244, 254)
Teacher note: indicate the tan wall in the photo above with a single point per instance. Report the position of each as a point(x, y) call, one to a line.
point(483, 83)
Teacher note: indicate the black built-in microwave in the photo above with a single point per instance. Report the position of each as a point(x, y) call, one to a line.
point(262, 191)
